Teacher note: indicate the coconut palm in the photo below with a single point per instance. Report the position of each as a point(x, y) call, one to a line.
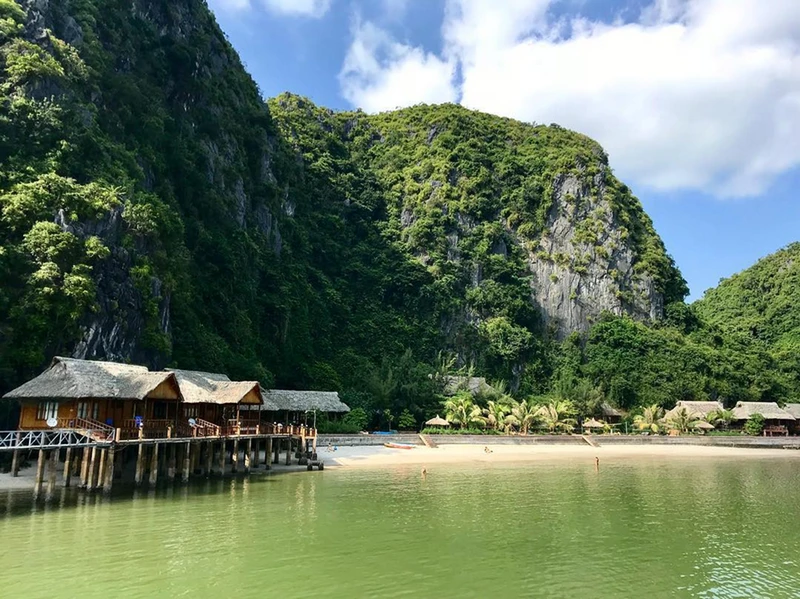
point(496, 413)
point(461, 409)
point(721, 418)
point(523, 415)
point(683, 420)
point(557, 416)
point(649, 419)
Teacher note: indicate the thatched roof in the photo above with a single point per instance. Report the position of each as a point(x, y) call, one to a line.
point(793, 409)
point(473, 384)
point(703, 425)
point(280, 400)
point(696, 409)
point(768, 409)
point(216, 388)
point(437, 421)
point(610, 411)
point(593, 424)
point(69, 378)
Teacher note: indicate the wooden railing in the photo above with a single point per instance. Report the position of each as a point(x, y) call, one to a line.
point(94, 429)
point(204, 428)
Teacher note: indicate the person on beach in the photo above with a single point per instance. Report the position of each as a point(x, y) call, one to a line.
point(486, 449)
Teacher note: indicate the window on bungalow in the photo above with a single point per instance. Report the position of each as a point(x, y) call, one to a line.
point(83, 409)
point(47, 410)
point(159, 410)
point(190, 411)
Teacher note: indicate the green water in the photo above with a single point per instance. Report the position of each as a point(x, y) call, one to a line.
point(638, 528)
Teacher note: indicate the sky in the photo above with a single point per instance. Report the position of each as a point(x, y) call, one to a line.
point(697, 102)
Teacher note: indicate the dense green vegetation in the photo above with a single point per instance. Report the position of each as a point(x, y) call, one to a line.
point(154, 209)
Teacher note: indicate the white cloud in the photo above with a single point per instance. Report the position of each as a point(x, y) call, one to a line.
point(298, 8)
point(698, 94)
point(308, 8)
point(380, 73)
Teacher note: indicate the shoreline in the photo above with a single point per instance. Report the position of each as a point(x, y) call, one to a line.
point(366, 456)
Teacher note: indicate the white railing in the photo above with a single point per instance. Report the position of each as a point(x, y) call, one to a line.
point(46, 439)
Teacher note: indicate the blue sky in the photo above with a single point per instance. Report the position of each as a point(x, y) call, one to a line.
point(696, 101)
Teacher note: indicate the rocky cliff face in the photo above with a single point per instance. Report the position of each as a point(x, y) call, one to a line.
point(583, 264)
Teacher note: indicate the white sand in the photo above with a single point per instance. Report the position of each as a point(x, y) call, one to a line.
point(377, 456)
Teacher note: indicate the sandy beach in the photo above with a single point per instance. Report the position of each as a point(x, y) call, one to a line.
point(377, 456)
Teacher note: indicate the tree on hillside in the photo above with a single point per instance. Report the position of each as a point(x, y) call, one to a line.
point(462, 410)
point(649, 420)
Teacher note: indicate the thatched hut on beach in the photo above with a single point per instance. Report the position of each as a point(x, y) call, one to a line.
point(775, 418)
point(696, 409)
point(611, 414)
point(212, 398)
point(122, 396)
point(794, 410)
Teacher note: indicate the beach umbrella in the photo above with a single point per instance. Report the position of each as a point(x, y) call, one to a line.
point(437, 422)
point(593, 424)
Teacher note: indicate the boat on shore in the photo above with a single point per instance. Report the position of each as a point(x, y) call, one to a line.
point(398, 446)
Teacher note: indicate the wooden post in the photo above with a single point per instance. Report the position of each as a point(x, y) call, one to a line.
point(197, 449)
point(187, 462)
point(289, 451)
point(277, 459)
point(101, 468)
point(109, 479)
point(248, 452)
point(268, 454)
point(254, 459)
point(235, 456)
point(92, 468)
point(171, 451)
point(140, 464)
point(37, 483)
point(15, 463)
point(52, 466)
point(154, 466)
point(222, 458)
point(68, 466)
point(85, 468)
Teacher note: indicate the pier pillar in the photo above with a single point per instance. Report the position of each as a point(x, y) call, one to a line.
point(52, 466)
point(235, 456)
point(187, 462)
point(85, 468)
point(222, 458)
point(171, 460)
point(197, 449)
point(102, 465)
point(68, 466)
point(277, 458)
point(92, 469)
point(154, 466)
point(15, 463)
point(288, 451)
point(37, 482)
point(209, 458)
point(140, 465)
point(268, 454)
point(248, 452)
point(108, 482)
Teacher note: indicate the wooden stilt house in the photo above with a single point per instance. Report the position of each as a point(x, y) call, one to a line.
point(73, 392)
point(294, 407)
point(212, 404)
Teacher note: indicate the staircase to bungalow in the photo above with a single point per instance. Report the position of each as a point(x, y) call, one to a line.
point(94, 430)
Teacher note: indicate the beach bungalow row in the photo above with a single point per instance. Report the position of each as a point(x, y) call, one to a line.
point(135, 402)
point(777, 420)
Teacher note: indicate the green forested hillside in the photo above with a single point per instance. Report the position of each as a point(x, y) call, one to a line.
point(153, 208)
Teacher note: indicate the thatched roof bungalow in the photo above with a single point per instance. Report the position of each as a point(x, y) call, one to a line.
point(696, 409)
point(610, 413)
point(744, 410)
point(474, 384)
point(213, 397)
point(108, 392)
point(293, 405)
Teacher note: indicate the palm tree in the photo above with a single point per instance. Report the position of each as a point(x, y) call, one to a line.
point(649, 419)
point(523, 415)
point(496, 413)
point(721, 417)
point(556, 416)
point(460, 409)
point(683, 420)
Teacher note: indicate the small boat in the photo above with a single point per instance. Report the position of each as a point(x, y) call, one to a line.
point(398, 446)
